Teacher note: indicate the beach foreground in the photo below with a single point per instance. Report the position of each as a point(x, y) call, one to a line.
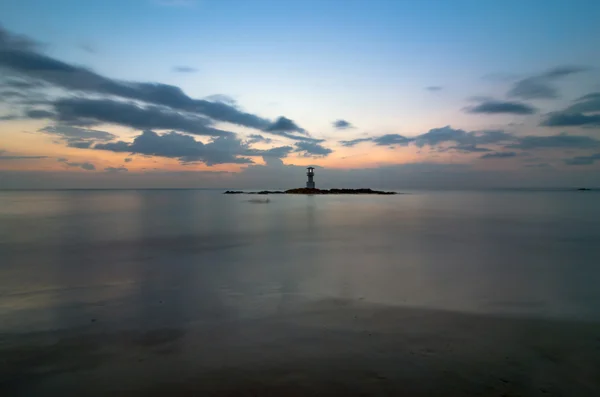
point(330, 347)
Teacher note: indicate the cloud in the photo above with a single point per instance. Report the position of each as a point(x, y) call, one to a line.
point(436, 136)
point(310, 149)
point(586, 104)
point(469, 148)
point(221, 150)
point(562, 141)
point(184, 69)
point(116, 169)
point(82, 111)
point(502, 107)
point(538, 165)
point(13, 42)
point(85, 165)
point(491, 136)
point(498, 155)
point(39, 114)
point(354, 142)
point(342, 124)
point(434, 88)
point(558, 119)
point(541, 86)
point(18, 157)
point(466, 141)
point(256, 138)
point(583, 160)
point(391, 139)
point(77, 137)
point(283, 124)
point(88, 47)
point(25, 62)
point(128, 160)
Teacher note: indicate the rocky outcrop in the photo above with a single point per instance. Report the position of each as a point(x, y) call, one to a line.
point(304, 190)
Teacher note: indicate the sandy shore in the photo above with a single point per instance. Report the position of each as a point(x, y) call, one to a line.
point(335, 348)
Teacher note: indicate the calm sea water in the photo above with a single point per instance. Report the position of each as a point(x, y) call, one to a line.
point(151, 257)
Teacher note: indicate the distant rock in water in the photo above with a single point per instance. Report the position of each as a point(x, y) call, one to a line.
point(304, 190)
point(583, 189)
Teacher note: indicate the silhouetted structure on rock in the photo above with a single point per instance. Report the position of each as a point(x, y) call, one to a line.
point(310, 173)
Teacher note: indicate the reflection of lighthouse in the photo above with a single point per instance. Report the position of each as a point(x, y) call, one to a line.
point(310, 184)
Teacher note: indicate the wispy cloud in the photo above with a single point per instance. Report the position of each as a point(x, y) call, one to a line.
point(184, 69)
point(542, 86)
point(342, 124)
point(498, 155)
point(502, 107)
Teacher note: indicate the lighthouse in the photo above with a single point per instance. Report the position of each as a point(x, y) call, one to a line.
point(310, 184)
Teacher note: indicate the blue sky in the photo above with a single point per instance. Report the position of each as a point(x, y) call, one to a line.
point(367, 62)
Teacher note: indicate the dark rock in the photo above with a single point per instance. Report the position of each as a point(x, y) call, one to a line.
point(336, 191)
point(583, 189)
point(310, 191)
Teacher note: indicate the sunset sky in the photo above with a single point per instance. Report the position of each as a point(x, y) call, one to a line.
point(246, 93)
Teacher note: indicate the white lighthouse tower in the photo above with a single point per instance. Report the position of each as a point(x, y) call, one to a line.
point(310, 184)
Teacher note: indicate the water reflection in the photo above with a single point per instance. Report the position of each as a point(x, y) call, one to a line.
point(158, 258)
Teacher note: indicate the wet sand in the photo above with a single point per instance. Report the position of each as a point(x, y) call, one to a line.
point(332, 347)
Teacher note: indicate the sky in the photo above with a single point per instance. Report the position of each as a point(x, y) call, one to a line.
point(247, 93)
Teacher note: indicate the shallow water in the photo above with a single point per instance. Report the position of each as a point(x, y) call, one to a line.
point(148, 258)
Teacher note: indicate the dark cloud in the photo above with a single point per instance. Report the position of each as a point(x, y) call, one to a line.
point(498, 155)
point(559, 119)
point(183, 147)
point(436, 136)
point(465, 141)
point(82, 111)
point(491, 136)
point(85, 165)
point(586, 104)
point(221, 150)
point(434, 88)
point(469, 148)
point(583, 160)
point(128, 160)
point(39, 114)
point(538, 165)
point(342, 124)
point(270, 154)
point(9, 95)
point(310, 149)
point(354, 142)
point(256, 138)
point(502, 107)
point(77, 137)
point(17, 157)
point(27, 63)
point(391, 139)
point(541, 86)
point(80, 144)
point(283, 124)
point(184, 69)
point(116, 169)
point(559, 141)
point(13, 42)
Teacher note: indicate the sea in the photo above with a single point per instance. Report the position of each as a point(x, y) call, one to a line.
point(145, 258)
